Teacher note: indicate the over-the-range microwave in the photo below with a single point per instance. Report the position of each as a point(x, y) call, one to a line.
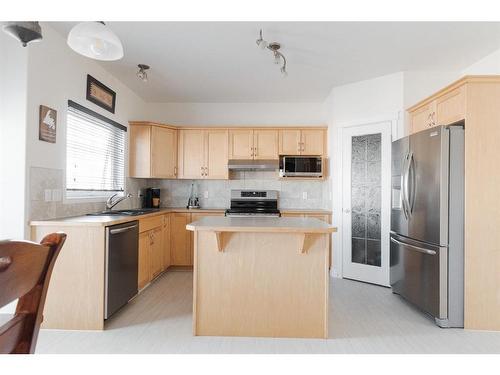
point(301, 166)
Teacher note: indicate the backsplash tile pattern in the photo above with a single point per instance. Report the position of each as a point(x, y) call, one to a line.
point(175, 193)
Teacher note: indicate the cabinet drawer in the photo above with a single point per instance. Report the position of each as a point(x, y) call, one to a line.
point(150, 223)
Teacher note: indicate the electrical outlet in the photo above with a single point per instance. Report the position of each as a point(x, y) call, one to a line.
point(304, 195)
point(56, 195)
point(48, 195)
point(205, 195)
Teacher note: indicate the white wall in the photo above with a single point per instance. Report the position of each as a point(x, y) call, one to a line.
point(360, 103)
point(13, 86)
point(56, 74)
point(212, 114)
point(488, 65)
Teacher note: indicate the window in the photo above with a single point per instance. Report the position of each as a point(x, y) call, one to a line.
point(95, 154)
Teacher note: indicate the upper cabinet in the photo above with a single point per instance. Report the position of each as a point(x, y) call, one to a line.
point(444, 108)
point(302, 141)
point(265, 144)
point(203, 153)
point(253, 144)
point(162, 151)
point(152, 151)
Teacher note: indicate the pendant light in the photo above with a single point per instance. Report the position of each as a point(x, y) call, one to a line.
point(96, 41)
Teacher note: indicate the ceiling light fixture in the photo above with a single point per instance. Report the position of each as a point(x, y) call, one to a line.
point(96, 41)
point(274, 47)
point(25, 32)
point(142, 72)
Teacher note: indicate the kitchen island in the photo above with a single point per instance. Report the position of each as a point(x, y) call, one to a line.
point(264, 277)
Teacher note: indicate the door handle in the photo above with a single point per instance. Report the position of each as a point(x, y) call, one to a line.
point(410, 197)
point(413, 247)
point(403, 187)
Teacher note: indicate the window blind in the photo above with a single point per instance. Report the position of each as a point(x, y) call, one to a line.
point(95, 151)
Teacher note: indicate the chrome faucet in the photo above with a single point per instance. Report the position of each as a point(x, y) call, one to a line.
point(110, 203)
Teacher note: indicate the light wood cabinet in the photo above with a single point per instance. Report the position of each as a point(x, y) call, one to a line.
point(152, 151)
point(302, 142)
point(445, 109)
point(253, 144)
point(265, 144)
point(166, 242)
point(241, 144)
point(450, 107)
point(203, 154)
point(144, 272)
point(180, 241)
point(156, 251)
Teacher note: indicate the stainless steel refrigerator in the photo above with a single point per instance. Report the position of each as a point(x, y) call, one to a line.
point(427, 222)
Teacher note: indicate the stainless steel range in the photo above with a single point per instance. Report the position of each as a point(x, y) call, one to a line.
point(252, 203)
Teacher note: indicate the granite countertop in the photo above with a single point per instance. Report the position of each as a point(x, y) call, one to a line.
point(119, 219)
point(261, 224)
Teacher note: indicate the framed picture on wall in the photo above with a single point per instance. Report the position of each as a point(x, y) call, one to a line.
point(47, 124)
point(100, 94)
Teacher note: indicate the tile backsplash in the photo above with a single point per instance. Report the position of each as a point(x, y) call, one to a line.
point(174, 193)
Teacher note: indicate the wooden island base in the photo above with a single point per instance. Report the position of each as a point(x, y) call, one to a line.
point(270, 281)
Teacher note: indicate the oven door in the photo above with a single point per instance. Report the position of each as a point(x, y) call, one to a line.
point(305, 166)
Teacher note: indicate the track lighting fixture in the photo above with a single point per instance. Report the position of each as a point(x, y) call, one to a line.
point(274, 47)
point(142, 72)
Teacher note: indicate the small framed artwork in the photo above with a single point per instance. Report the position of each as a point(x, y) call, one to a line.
point(100, 94)
point(47, 124)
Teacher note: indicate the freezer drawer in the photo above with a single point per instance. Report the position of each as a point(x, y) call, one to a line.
point(418, 273)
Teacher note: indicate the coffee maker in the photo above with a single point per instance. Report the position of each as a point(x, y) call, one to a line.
point(151, 198)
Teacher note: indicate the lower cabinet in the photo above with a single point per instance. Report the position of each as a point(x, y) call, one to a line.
point(167, 257)
point(180, 241)
point(151, 255)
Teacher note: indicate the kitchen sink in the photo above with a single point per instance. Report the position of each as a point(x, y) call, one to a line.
point(130, 212)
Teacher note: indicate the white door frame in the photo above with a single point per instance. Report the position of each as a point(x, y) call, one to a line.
point(371, 274)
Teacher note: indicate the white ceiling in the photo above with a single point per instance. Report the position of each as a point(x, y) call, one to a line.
point(220, 62)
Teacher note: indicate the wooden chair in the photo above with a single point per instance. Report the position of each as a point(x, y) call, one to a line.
point(25, 269)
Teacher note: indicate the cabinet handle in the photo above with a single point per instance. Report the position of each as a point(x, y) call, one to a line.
point(175, 171)
point(206, 171)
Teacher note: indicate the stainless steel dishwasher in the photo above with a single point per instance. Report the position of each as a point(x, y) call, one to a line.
point(122, 249)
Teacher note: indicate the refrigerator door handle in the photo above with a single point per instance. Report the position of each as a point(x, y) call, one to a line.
point(411, 194)
point(413, 247)
point(403, 187)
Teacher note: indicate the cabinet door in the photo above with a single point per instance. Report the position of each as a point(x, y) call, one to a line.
point(156, 251)
point(289, 142)
point(163, 152)
point(144, 276)
point(421, 118)
point(180, 239)
point(166, 242)
point(241, 144)
point(191, 153)
point(265, 144)
point(313, 142)
point(216, 154)
point(450, 107)
point(140, 151)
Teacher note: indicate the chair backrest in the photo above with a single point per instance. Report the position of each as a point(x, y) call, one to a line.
point(25, 269)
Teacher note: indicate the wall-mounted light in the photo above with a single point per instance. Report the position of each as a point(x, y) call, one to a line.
point(274, 47)
point(142, 73)
point(96, 41)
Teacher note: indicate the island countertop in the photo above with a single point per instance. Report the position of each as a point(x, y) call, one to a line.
point(261, 224)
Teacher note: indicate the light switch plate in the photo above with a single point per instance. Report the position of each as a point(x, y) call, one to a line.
point(205, 195)
point(304, 195)
point(56, 195)
point(48, 195)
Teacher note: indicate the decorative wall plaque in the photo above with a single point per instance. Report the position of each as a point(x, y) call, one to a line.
point(100, 94)
point(47, 124)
